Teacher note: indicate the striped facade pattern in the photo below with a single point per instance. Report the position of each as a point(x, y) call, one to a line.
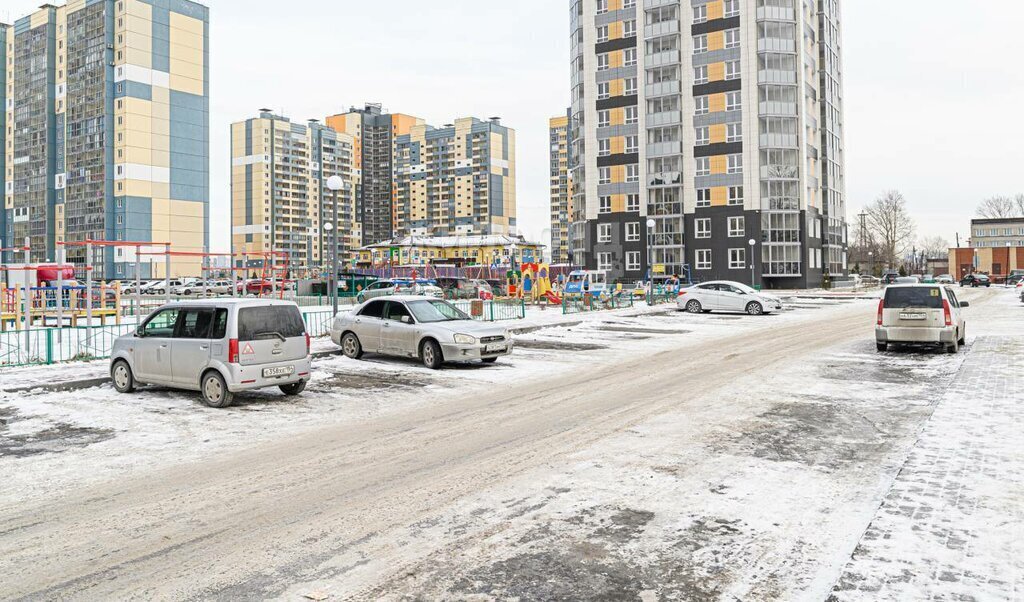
point(279, 197)
point(561, 188)
point(718, 121)
point(120, 91)
point(457, 180)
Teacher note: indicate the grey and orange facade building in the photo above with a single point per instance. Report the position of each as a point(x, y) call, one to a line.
point(107, 130)
point(280, 202)
point(996, 247)
point(561, 188)
point(721, 122)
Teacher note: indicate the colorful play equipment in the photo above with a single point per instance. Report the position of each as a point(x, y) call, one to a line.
point(532, 282)
point(586, 282)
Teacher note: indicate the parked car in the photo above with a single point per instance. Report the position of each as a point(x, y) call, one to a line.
point(187, 284)
point(256, 286)
point(218, 348)
point(465, 288)
point(907, 280)
point(726, 296)
point(208, 287)
point(889, 276)
point(1015, 278)
point(944, 279)
point(386, 288)
point(430, 329)
point(159, 287)
point(920, 314)
point(129, 289)
point(976, 280)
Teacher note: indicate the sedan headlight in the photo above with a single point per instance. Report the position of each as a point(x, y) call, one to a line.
point(465, 339)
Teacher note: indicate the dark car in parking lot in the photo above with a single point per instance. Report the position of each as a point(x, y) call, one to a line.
point(976, 280)
point(890, 276)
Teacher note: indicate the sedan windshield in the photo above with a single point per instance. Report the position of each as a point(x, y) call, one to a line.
point(427, 312)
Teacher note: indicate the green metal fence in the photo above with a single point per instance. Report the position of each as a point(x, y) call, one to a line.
point(318, 323)
point(495, 310)
point(660, 298)
point(588, 303)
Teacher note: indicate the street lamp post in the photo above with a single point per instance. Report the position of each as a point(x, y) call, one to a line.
point(334, 183)
point(651, 224)
point(752, 244)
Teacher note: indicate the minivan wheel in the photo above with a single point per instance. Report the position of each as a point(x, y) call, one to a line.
point(294, 388)
point(693, 306)
point(215, 391)
point(351, 346)
point(431, 355)
point(121, 375)
point(963, 337)
point(754, 308)
point(953, 348)
point(882, 347)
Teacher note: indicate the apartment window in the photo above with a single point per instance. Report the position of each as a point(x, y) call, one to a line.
point(632, 144)
point(703, 259)
point(604, 118)
point(734, 132)
point(703, 135)
point(604, 175)
point(732, 70)
point(632, 173)
point(628, 3)
point(735, 164)
point(632, 231)
point(604, 233)
point(732, 38)
point(703, 166)
point(703, 197)
point(633, 203)
point(602, 62)
point(604, 204)
point(629, 57)
point(632, 115)
point(700, 13)
point(630, 86)
point(603, 90)
point(733, 101)
point(702, 227)
point(629, 28)
point(602, 33)
point(737, 227)
point(604, 147)
point(732, 8)
point(700, 44)
point(700, 74)
point(120, 220)
point(735, 195)
point(602, 6)
point(701, 104)
point(604, 261)
point(633, 261)
point(119, 203)
point(737, 259)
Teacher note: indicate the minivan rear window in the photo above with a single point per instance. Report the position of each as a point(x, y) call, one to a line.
point(257, 323)
point(913, 296)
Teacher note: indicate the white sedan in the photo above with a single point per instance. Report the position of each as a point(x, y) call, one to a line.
point(726, 296)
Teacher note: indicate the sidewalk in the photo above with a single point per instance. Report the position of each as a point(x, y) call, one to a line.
point(952, 525)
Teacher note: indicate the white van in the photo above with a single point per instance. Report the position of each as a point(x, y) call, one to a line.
point(921, 314)
point(216, 347)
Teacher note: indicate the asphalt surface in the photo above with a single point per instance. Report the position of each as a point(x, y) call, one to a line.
point(267, 522)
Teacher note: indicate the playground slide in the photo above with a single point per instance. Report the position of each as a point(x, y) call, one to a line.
point(553, 298)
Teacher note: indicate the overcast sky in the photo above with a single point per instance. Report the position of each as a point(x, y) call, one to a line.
point(931, 92)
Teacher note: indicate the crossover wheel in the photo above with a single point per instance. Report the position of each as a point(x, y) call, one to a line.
point(754, 308)
point(882, 347)
point(489, 360)
point(351, 346)
point(294, 388)
point(694, 307)
point(215, 391)
point(121, 375)
point(431, 355)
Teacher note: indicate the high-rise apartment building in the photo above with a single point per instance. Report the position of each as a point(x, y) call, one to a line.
point(720, 122)
point(374, 133)
point(561, 188)
point(458, 180)
point(279, 196)
point(107, 121)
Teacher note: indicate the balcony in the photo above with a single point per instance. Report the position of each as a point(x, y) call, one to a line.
point(661, 29)
point(779, 141)
point(661, 149)
point(665, 88)
point(670, 57)
point(667, 178)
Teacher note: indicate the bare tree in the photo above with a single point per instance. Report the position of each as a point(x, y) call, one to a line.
point(1018, 202)
point(933, 247)
point(1000, 207)
point(890, 226)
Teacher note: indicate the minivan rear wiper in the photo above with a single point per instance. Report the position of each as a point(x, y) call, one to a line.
point(276, 335)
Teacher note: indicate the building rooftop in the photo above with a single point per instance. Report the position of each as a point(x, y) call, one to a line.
point(446, 242)
point(999, 220)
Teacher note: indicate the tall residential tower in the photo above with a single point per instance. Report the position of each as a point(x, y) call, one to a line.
point(719, 122)
point(561, 188)
point(107, 111)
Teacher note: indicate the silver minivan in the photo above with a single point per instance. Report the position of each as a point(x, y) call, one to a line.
point(216, 347)
point(921, 314)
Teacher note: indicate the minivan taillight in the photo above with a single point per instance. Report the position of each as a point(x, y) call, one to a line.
point(947, 312)
point(881, 309)
point(307, 343)
point(233, 351)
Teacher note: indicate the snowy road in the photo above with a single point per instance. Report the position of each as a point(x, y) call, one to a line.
point(636, 456)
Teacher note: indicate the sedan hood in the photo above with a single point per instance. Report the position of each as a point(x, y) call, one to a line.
point(471, 327)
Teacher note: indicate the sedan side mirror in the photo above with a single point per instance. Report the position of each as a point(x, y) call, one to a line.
point(406, 319)
point(965, 304)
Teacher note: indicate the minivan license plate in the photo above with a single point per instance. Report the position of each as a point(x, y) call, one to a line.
point(279, 371)
point(905, 316)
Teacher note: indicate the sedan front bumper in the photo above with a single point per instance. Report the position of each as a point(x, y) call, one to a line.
point(454, 352)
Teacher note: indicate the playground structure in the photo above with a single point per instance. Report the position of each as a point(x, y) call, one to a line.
point(532, 282)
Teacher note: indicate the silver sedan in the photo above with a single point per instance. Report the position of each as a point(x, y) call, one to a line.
point(432, 330)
